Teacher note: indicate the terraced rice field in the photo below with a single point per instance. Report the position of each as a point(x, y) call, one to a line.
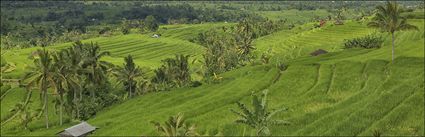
point(353, 92)
point(298, 42)
point(147, 51)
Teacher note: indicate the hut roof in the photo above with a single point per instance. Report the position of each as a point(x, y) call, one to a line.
point(78, 130)
point(318, 52)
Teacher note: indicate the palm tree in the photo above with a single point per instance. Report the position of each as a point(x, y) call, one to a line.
point(180, 68)
point(43, 75)
point(176, 126)
point(71, 58)
point(97, 68)
point(244, 36)
point(64, 66)
point(389, 19)
point(174, 72)
point(161, 79)
point(259, 118)
point(128, 74)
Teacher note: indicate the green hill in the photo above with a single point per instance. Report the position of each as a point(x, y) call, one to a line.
point(350, 92)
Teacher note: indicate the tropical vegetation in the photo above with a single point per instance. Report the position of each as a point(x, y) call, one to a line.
point(253, 68)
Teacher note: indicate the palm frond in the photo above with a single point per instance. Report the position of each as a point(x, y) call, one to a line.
point(275, 112)
point(403, 25)
point(280, 122)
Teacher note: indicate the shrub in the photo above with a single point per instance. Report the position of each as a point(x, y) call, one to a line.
point(368, 42)
point(265, 56)
point(125, 31)
point(89, 107)
point(103, 98)
point(196, 83)
point(176, 126)
point(105, 30)
point(87, 110)
point(173, 73)
point(259, 118)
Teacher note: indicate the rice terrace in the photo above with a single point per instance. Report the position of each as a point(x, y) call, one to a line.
point(212, 68)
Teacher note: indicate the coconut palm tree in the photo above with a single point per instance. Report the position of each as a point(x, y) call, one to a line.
point(161, 79)
point(128, 74)
point(259, 118)
point(244, 37)
point(176, 126)
point(92, 62)
point(73, 60)
point(43, 75)
point(64, 66)
point(388, 19)
point(181, 70)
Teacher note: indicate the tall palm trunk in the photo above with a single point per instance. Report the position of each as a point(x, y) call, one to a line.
point(46, 111)
point(131, 85)
point(60, 113)
point(61, 109)
point(393, 46)
point(78, 103)
point(94, 83)
point(75, 101)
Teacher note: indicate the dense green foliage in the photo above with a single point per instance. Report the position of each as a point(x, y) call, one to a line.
point(228, 48)
point(128, 74)
point(173, 73)
point(66, 21)
point(369, 41)
point(181, 13)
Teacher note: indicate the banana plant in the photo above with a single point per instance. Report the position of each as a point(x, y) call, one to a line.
point(259, 118)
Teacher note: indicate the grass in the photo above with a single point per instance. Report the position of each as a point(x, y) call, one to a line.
point(347, 92)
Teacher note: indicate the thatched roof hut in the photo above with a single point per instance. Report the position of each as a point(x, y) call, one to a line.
point(79, 130)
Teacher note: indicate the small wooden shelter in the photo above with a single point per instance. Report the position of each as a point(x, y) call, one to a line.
point(79, 130)
point(318, 52)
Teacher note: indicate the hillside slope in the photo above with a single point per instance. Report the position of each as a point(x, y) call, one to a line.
point(346, 92)
point(147, 51)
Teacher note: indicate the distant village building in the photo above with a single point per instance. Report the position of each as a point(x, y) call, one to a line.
point(318, 52)
point(80, 130)
point(155, 36)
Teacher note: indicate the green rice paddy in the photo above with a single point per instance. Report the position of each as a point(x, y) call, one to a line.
point(347, 92)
